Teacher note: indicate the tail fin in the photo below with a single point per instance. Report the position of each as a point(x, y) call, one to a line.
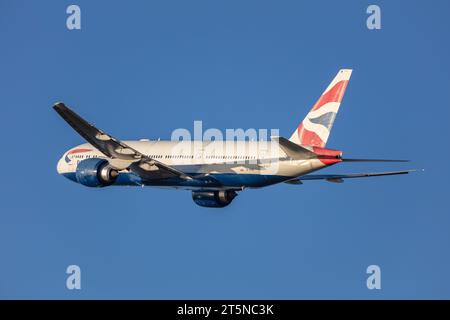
point(315, 128)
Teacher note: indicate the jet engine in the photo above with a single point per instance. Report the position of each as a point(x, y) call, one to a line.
point(213, 199)
point(95, 172)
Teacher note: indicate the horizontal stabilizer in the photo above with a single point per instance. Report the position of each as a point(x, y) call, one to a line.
point(293, 150)
point(372, 160)
point(339, 177)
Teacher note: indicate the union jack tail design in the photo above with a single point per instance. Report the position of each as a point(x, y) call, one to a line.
point(315, 128)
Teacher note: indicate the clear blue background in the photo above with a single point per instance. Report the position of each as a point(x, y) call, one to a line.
point(140, 69)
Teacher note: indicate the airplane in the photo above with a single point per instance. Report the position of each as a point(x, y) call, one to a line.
point(214, 171)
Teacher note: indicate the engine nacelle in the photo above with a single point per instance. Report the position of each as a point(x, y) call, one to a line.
point(213, 199)
point(95, 172)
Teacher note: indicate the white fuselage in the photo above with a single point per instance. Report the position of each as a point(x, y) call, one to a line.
point(237, 164)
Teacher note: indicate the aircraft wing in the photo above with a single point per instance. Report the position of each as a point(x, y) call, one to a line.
point(122, 155)
point(339, 177)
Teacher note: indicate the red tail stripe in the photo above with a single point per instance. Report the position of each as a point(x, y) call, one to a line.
point(335, 94)
point(309, 138)
point(330, 153)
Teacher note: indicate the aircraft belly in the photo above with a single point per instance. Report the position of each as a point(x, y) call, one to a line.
point(292, 168)
point(248, 180)
point(225, 176)
point(213, 181)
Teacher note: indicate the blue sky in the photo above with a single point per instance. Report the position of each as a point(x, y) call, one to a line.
point(140, 69)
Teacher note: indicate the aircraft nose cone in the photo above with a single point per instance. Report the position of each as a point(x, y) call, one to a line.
point(60, 166)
